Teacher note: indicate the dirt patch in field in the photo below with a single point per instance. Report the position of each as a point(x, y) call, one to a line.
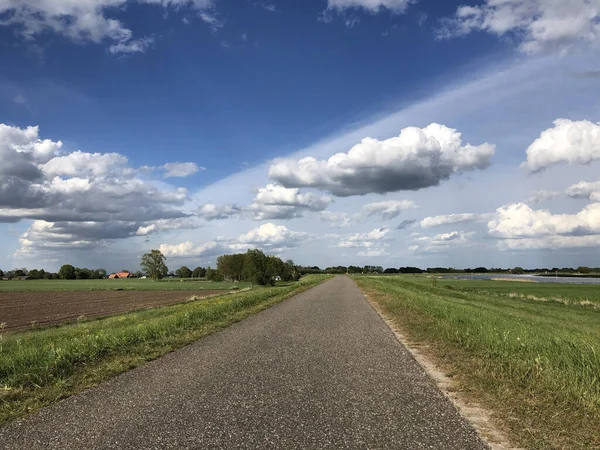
point(21, 310)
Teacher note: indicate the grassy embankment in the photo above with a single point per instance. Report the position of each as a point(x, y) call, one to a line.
point(38, 368)
point(119, 284)
point(535, 365)
point(574, 294)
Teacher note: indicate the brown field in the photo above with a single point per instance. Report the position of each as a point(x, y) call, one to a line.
point(19, 310)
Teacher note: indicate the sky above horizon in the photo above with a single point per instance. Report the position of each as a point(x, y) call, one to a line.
point(331, 132)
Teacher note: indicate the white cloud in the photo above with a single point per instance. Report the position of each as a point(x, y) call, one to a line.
point(79, 200)
point(269, 237)
point(570, 142)
point(188, 249)
point(337, 219)
point(372, 6)
point(373, 238)
point(132, 46)
point(586, 190)
point(210, 211)
point(372, 253)
point(20, 99)
point(389, 209)
point(436, 221)
point(518, 220)
point(416, 159)
point(442, 242)
point(277, 202)
point(539, 25)
point(542, 196)
point(84, 20)
point(180, 169)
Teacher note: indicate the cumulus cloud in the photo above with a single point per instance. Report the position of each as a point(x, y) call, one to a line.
point(586, 190)
point(269, 237)
point(436, 221)
point(539, 25)
point(277, 202)
point(441, 242)
point(519, 220)
point(371, 239)
point(568, 142)
point(84, 21)
point(189, 249)
point(180, 169)
point(210, 211)
point(389, 209)
point(78, 199)
point(416, 159)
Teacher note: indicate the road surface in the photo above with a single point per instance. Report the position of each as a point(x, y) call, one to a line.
point(318, 371)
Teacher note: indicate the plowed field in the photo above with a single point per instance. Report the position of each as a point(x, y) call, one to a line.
point(19, 310)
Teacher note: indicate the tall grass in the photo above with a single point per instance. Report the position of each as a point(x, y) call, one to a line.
point(39, 367)
point(535, 364)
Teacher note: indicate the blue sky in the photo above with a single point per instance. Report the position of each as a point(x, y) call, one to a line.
point(241, 91)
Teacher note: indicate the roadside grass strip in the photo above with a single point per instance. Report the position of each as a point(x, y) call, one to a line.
point(535, 365)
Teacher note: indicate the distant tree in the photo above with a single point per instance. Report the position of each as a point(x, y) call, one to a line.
point(35, 274)
point(1, 273)
point(257, 268)
point(67, 272)
point(290, 272)
point(139, 274)
point(480, 270)
point(354, 269)
point(391, 270)
point(518, 270)
point(583, 269)
point(232, 266)
point(83, 274)
point(153, 264)
point(99, 274)
point(199, 272)
point(20, 272)
point(183, 272)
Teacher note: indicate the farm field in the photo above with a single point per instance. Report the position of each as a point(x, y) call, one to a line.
point(118, 284)
point(20, 310)
point(577, 294)
point(534, 364)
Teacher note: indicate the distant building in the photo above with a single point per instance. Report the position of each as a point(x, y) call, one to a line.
point(112, 276)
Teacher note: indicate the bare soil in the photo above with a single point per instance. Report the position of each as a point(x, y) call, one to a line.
point(21, 310)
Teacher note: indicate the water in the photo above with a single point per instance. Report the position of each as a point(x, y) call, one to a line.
point(489, 276)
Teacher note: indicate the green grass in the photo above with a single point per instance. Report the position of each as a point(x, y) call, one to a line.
point(125, 284)
point(575, 294)
point(535, 364)
point(39, 367)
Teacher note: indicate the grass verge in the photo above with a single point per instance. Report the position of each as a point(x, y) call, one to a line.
point(534, 365)
point(38, 368)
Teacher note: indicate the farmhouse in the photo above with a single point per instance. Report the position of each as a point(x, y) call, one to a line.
point(121, 275)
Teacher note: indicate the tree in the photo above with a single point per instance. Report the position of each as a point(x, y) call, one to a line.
point(183, 272)
point(518, 271)
point(153, 264)
point(99, 274)
point(232, 266)
point(199, 272)
point(1, 273)
point(256, 268)
point(583, 269)
point(67, 272)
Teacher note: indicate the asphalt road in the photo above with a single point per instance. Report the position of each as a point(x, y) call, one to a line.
point(321, 370)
